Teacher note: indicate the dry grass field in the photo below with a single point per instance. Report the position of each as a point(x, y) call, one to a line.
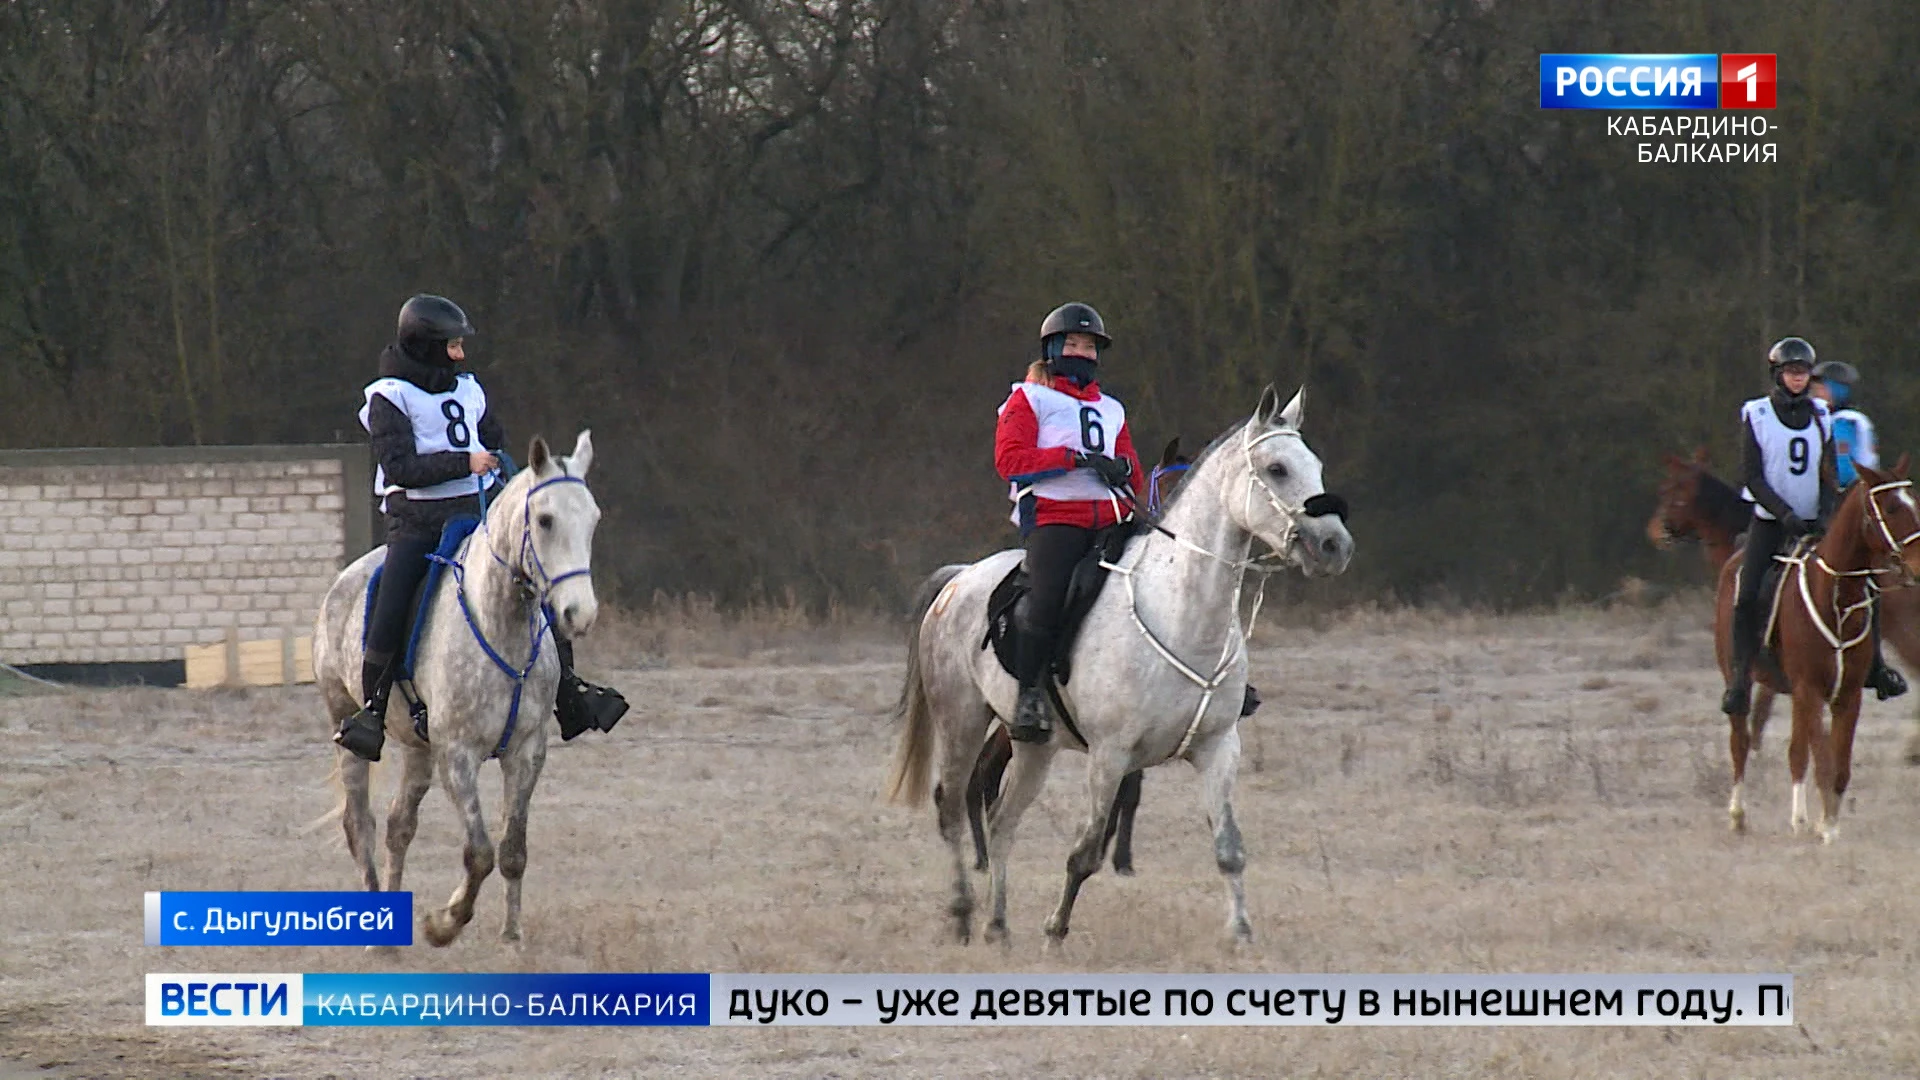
point(1421, 792)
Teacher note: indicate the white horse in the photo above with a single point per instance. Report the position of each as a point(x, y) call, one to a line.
point(486, 670)
point(1159, 667)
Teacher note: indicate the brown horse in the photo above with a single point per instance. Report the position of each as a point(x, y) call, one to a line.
point(983, 788)
point(1821, 637)
point(1695, 505)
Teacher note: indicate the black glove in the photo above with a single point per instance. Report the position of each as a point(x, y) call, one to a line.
point(1113, 472)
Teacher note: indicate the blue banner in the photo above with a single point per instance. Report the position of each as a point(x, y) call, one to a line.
point(279, 918)
point(519, 1000)
point(1629, 80)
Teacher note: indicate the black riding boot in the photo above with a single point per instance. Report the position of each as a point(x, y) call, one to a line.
point(365, 731)
point(1738, 698)
point(1032, 718)
point(1885, 681)
point(581, 706)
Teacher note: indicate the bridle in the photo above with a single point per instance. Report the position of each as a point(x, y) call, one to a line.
point(538, 589)
point(1279, 557)
point(1840, 616)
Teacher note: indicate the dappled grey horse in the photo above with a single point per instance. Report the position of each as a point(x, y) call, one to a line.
point(1159, 666)
point(486, 670)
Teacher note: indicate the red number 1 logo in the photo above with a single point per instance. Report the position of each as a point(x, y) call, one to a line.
point(1747, 80)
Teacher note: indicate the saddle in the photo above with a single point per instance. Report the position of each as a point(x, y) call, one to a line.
point(1083, 588)
point(452, 535)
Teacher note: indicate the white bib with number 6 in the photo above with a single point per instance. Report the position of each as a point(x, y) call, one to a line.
point(1088, 427)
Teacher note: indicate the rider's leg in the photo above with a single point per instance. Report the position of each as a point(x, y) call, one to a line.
point(1763, 540)
point(580, 705)
point(364, 731)
point(1052, 553)
point(1885, 681)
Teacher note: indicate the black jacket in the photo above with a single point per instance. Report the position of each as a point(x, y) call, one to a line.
point(1797, 414)
point(393, 448)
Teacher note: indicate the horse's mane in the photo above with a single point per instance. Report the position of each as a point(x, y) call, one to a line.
point(1721, 503)
point(1199, 459)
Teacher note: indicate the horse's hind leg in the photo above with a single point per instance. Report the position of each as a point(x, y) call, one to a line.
point(403, 817)
point(1218, 762)
point(1104, 771)
point(983, 788)
point(1757, 719)
point(356, 817)
point(518, 775)
point(959, 755)
point(1120, 823)
point(459, 771)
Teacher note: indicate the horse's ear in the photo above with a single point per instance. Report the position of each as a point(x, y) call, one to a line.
point(581, 459)
point(1269, 405)
point(1900, 468)
point(539, 458)
point(1171, 455)
point(1295, 410)
point(1673, 462)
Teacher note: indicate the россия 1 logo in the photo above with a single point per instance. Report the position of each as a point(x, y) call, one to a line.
point(1657, 80)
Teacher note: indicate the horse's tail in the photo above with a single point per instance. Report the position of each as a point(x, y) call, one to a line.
point(913, 759)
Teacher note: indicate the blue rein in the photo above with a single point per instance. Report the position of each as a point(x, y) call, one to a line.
point(539, 620)
point(1153, 484)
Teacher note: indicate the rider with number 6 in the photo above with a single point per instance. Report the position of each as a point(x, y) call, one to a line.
point(434, 442)
point(1065, 449)
point(1788, 467)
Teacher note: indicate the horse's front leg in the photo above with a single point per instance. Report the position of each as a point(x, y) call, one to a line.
point(1105, 767)
point(1846, 715)
point(1027, 776)
point(519, 772)
point(356, 813)
point(403, 816)
point(1807, 707)
point(1738, 746)
point(1218, 762)
point(459, 775)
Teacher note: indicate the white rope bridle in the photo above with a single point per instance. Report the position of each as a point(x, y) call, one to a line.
point(1265, 565)
point(1866, 602)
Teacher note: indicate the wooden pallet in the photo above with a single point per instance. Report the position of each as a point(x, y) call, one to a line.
point(280, 661)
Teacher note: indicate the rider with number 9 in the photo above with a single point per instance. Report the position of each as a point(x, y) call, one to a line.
point(1787, 461)
point(434, 442)
point(1065, 449)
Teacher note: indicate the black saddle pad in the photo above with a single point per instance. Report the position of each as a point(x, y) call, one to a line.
point(1089, 577)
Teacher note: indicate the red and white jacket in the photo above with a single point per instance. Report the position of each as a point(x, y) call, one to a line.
point(1041, 428)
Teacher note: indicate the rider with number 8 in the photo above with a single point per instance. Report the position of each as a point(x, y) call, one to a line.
point(1067, 452)
point(434, 442)
point(1787, 464)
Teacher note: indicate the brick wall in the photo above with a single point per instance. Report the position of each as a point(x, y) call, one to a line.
point(132, 555)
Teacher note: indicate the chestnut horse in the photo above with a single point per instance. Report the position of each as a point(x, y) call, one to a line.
point(1821, 637)
point(1695, 505)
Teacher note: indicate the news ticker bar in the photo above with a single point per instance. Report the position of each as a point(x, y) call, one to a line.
point(279, 918)
point(719, 999)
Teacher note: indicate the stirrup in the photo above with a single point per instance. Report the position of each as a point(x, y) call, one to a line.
point(1031, 723)
point(1888, 683)
point(1737, 701)
point(363, 733)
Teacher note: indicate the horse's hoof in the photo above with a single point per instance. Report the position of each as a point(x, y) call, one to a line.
point(1123, 869)
point(510, 934)
point(1241, 933)
point(1056, 930)
point(997, 934)
point(1829, 833)
point(441, 929)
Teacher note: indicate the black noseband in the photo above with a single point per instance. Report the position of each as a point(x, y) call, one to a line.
point(1326, 503)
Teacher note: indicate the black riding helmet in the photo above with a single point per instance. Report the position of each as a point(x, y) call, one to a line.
point(1071, 318)
point(432, 318)
point(1789, 352)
